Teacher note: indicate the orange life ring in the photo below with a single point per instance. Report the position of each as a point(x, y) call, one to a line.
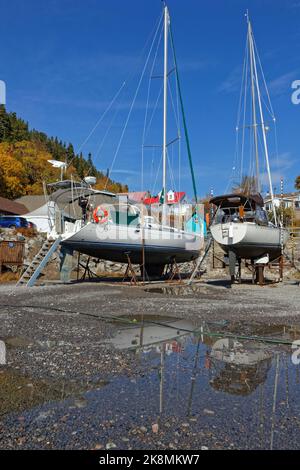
point(100, 215)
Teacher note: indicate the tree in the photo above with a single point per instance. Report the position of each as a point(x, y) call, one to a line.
point(297, 182)
point(24, 154)
point(5, 127)
point(92, 171)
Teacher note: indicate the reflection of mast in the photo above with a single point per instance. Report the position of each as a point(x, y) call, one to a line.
point(193, 379)
point(274, 401)
point(261, 413)
point(161, 385)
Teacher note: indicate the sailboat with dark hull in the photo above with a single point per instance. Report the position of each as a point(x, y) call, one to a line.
point(240, 225)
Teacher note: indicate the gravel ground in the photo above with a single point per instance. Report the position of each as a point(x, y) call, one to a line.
point(59, 354)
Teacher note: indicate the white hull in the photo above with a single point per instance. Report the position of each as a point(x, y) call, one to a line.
point(112, 242)
point(249, 240)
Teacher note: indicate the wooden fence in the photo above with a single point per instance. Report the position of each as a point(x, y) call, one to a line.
point(12, 253)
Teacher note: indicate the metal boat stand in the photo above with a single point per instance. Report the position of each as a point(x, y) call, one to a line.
point(87, 270)
point(130, 272)
point(172, 271)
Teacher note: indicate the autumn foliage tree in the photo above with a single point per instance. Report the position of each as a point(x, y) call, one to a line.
point(24, 156)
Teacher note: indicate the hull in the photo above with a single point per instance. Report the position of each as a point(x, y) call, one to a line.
point(113, 242)
point(249, 240)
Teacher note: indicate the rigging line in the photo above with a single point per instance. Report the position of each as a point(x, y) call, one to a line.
point(184, 120)
point(156, 177)
point(177, 115)
point(171, 171)
point(128, 79)
point(147, 106)
point(179, 141)
point(154, 109)
point(133, 103)
point(106, 133)
point(173, 106)
point(245, 111)
point(240, 109)
point(102, 117)
point(264, 80)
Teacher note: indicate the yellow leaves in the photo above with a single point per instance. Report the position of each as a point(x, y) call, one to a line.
point(13, 174)
point(24, 166)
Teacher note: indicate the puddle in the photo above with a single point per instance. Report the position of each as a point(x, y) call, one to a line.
point(217, 386)
point(19, 392)
point(179, 290)
point(152, 330)
point(15, 342)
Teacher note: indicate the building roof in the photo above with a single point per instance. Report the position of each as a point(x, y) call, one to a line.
point(291, 196)
point(177, 197)
point(137, 196)
point(12, 207)
point(32, 202)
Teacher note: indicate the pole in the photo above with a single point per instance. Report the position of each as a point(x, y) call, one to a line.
point(263, 128)
point(166, 27)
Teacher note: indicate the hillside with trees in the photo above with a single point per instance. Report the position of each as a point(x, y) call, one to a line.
point(23, 160)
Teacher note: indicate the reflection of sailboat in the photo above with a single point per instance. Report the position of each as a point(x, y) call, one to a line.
point(148, 335)
point(239, 367)
point(241, 224)
point(150, 245)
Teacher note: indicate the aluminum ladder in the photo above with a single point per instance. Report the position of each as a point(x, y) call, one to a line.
point(201, 259)
point(38, 263)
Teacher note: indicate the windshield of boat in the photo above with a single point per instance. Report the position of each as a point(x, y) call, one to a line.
point(239, 214)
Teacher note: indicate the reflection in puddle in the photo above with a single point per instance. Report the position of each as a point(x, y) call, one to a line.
point(177, 290)
point(193, 386)
point(19, 392)
point(150, 331)
point(245, 392)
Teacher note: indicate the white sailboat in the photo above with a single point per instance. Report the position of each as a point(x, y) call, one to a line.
point(148, 244)
point(241, 225)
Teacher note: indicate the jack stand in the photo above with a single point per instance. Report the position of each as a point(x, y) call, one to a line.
point(259, 266)
point(259, 274)
point(130, 271)
point(173, 270)
point(239, 275)
point(87, 270)
point(281, 268)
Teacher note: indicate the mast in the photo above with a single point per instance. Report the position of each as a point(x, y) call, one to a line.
point(166, 29)
point(251, 53)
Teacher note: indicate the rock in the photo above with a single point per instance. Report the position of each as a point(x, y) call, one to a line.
point(98, 447)
point(204, 448)
point(110, 445)
point(206, 411)
point(155, 428)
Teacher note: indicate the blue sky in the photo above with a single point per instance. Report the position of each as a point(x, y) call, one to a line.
point(64, 60)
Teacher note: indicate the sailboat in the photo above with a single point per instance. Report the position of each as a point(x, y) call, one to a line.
point(240, 225)
point(125, 233)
